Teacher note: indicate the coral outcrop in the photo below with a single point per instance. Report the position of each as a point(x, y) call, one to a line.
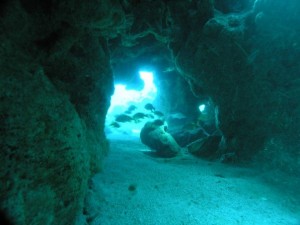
point(56, 83)
point(155, 136)
point(230, 59)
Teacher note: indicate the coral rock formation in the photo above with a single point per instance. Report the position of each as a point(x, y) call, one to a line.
point(56, 83)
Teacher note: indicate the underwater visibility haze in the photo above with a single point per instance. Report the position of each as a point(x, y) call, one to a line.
point(150, 112)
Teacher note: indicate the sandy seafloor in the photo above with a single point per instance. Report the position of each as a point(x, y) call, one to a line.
point(136, 189)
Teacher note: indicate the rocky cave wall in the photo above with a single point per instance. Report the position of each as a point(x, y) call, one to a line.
point(247, 63)
point(56, 82)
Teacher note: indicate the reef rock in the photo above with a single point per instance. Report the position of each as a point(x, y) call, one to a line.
point(255, 90)
point(154, 135)
point(207, 147)
point(55, 87)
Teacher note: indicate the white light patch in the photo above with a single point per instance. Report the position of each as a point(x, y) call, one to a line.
point(123, 97)
point(149, 90)
point(136, 131)
point(202, 107)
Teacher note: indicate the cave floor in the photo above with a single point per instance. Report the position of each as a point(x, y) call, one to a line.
point(142, 190)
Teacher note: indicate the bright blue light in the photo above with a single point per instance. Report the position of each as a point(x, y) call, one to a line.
point(149, 90)
point(136, 131)
point(146, 76)
point(122, 96)
point(202, 107)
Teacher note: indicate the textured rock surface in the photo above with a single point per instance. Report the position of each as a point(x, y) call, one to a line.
point(56, 82)
point(206, 147)
point(43, 151)
point(154, 136)
point(230, 58)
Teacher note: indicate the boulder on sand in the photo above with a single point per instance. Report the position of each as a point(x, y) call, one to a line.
point(154, 135)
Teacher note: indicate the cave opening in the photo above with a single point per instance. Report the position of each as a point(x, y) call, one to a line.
point(127, 112)
point(163, 96)
point(203, 126)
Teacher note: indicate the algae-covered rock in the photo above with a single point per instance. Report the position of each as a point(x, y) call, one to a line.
point(154, 135)
point(45, 165)
point(207, 147)
point(55, 82)
point(240, 61)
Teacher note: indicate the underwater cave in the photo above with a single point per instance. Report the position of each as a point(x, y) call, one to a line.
point(149, 112)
